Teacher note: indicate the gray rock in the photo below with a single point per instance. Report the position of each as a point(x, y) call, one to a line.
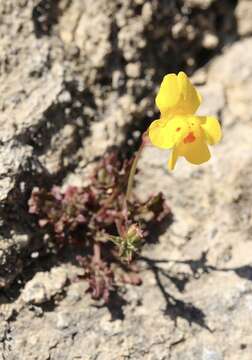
point(63, 321)
point(211, 355)
point(44, 286)
point(243, 14)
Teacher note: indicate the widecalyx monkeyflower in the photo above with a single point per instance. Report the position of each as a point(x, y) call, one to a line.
point(179, 128)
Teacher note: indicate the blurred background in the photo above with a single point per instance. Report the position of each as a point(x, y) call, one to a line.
point(78, 77)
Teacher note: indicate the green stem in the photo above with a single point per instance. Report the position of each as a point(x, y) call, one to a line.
point(133, 172)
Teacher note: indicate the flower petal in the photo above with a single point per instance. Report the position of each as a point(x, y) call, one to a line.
point(211, 128)
point(190, 99)
point(166, 134)
point(196, 152)
point(159, 136)
point(169, 94)
point(177, 96)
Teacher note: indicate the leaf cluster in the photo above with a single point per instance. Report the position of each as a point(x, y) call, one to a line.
point(110, 232)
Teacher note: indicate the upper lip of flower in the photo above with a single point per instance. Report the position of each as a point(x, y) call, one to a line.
point(177, 96)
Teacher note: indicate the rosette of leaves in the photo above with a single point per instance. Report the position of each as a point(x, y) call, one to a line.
point(95, 217)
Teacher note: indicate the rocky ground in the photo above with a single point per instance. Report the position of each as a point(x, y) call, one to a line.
point(77, 77)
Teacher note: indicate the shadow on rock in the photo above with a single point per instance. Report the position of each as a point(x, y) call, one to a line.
point(115, 306)
point(244, 272)
point(176, 308)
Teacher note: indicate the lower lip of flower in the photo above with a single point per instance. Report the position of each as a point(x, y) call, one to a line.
point(189, 138)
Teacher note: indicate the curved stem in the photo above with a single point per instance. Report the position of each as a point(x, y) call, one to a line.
point(120, 224)
point(133, 172)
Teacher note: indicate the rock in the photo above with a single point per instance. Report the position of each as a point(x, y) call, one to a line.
point(44, 286)
point(210, 41)
point(14, 162)
point(63, 321)
point(213, 102)
point(243, 14)
point(235, 75)
point(11, 263)
point(133, 70)
point(211, 355)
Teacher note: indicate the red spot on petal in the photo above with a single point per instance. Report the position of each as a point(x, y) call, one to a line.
point(189, 138)
point(178, 129)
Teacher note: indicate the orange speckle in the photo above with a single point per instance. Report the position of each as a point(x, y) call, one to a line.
point(178, 129)
point(189, 138)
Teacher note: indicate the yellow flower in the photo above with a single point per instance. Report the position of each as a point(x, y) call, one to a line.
point(178, 128)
